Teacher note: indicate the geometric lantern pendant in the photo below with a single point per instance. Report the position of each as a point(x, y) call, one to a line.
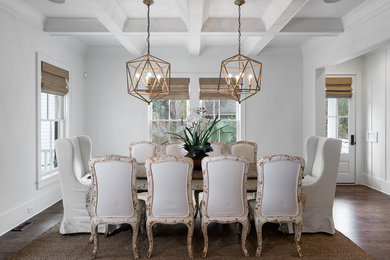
point(148, 77)
point(239, 76)
point(242, 77)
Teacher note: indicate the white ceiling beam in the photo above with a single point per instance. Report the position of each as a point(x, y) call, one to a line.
point(110, 14)
point(278, 14)
point(313, 26)
point(196, 10)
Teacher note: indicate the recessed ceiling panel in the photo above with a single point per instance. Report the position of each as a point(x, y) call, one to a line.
point(159, 9)
point(227, 8)
point(320, 9)
point(69, 9)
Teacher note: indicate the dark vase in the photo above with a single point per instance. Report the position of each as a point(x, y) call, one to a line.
point(197, 160)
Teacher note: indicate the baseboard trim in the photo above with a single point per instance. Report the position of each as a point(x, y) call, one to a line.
point(18, 215)
point(376, 184)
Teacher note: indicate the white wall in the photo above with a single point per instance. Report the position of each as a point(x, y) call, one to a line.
point(272, 118)
point(376, 99)
point(19, 42)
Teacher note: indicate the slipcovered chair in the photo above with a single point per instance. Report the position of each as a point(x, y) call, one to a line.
point(245, 149)
point(280, 198)
point(174, 148)
point(224, 194)
point(72, 156)
point(169, 195)
point(218, 148)
point(322, 157)
point(142, 150)
point(114, 196)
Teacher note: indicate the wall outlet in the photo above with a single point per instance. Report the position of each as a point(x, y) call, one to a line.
point(372, 137)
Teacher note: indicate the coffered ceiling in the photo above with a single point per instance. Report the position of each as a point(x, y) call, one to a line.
point(194, 24)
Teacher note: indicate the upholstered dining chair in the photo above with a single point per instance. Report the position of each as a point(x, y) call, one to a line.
point(322, 161)
point(114, 196)
point(224, 194)
point(174, 148)
point(245, 149)
point(218, 148)
point(169, 195)
point(142, 150)
point(280, 198)
point(72, 157)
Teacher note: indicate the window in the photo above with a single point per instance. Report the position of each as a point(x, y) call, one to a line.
point(337, 120)
point(52, 128)
point(167, 116)
point(227, 111)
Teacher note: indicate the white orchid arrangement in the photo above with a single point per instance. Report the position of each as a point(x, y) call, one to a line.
point(197, 129)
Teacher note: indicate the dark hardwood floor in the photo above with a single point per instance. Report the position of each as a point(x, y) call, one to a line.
point(360, 213)
point(363, 215)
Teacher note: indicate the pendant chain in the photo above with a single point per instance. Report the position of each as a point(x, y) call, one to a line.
point(239, 29)
point(148, 29)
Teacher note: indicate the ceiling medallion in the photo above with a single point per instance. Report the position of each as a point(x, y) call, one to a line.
point(240, 76)
point(148, 77)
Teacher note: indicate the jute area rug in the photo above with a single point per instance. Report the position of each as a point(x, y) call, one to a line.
point(170, 243)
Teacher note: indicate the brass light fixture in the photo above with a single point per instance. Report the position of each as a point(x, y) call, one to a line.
point(240, 76)
point(148, 77)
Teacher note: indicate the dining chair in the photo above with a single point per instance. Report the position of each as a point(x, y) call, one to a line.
point(224, 194)
point(280, 197)
point(245, 149)
point(72, 156)
point(322, 161)
point(169, 198)
point(142, 150)
point(114, 196)
point(218, 148)
point(174, 148)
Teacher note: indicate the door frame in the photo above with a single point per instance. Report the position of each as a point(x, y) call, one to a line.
point(357, 91)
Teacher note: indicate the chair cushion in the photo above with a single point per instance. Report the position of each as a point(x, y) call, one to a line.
point(308, 180)
point(78, 166)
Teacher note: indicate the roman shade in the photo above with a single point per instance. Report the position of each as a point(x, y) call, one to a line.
point(54, 80)
point(209, 89)
point(339, 87)
point(179, 89)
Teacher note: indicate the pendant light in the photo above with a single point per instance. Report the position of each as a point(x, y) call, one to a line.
point(240, 76)
point(148, 77)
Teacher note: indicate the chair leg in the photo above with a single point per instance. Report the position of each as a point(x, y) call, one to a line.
point(95, 240)
point(297, 237)
point(259, 232)
point(196, 195)
point(149, 231)
point(135, 227)
point(190, 226)
point(244, 234)
point(106, 230)
point(206, 239)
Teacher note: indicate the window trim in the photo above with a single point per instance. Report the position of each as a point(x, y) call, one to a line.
point(51, 176)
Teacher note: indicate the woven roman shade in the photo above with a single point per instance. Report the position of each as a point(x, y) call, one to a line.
point(54, 80)
point(209, 89)
point(179, 89)
point(339, 87)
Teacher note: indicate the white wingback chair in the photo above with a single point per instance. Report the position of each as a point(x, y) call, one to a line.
point(322, 157)
point(174, 148)
point(280, 198)
point(218, 148)
point(72, 156)
point(224, 194)
point(245, 149)
point(114, 199)
point(169, 198)
point(143, 150)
